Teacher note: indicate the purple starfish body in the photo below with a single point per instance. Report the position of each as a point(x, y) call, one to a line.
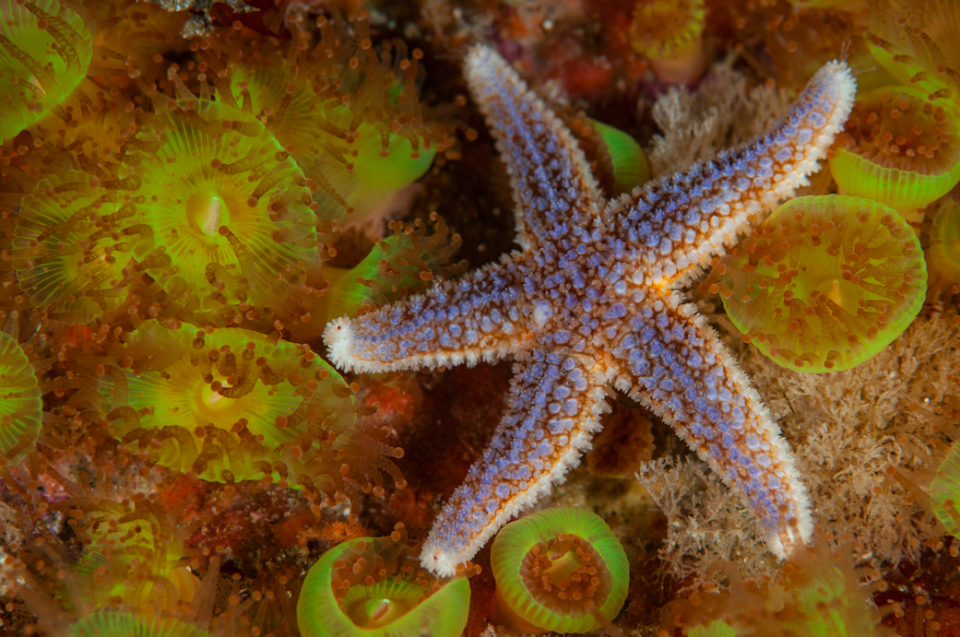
point(589, 302)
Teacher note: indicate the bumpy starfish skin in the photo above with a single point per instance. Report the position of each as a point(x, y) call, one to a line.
point(590, 302)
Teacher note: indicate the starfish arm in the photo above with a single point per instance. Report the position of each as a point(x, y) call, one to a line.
point(676, 223)
point(676, 365)
point(552, 183)
point(477, 317)
point(553, 408)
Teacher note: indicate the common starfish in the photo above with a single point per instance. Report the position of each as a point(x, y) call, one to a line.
point(590, 301)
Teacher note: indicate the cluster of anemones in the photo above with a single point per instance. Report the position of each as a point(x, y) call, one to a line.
point(167, 208)
point(827, 282)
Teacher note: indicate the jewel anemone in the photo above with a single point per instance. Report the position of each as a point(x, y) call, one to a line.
point(225, 200)
point(625, 440)
point(88, 134)
point(898, 148)
point(45, 49)
point(91, 132)
point(396, 266)
point(945, 491)
point(226, 403)
point(943, 254)
point(794, 41)
point(817, 592)
point(354, 171)
point(820, 600)
point(713, 629)
point(824, 283)
point(70, 258)
point(628, 165)
point(616, 159)
point(375, 587)
point(670, 34)
point(135, 39)
point(20, 406)
point(133, 551)
point(560, 570)
point(112, 623)
point(349, 115)
point(917, 44)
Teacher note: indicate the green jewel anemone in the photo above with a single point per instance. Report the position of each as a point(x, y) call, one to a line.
point(226, 403)
point(714, 629)
point(825, 283)
point(943, 254)
point(20, 406)
point(670, 34)
point(915, 44)
point(45, 49)
point(227, 202)
point(375, 587)
point(110, 623)
point(397, 265)
point(73, 247)
point(899, 148)
point(350, 116)
point(945, 491)
point(560, 570)
point(628, 165)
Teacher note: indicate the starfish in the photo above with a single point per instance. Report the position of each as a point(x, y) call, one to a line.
point(591, 301)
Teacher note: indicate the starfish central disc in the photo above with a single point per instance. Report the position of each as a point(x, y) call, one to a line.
point(589, 302)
